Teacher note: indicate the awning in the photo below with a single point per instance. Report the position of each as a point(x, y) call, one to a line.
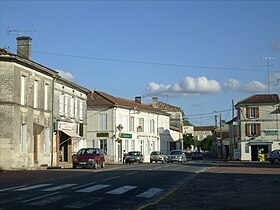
point(72, 134)
point(259, 143)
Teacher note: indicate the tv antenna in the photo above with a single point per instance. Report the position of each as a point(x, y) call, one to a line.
point(19, 31)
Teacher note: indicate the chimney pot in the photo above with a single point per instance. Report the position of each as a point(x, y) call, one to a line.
point(138, 99)
point(24, 47)
point(155, 102)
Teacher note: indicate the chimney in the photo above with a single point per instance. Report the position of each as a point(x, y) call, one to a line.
point(155, 102)
point(24, 47)
point(138, 99)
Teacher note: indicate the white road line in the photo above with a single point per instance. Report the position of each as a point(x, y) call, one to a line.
point(37, 198)
point(83, 203)
point(131, 173)
point(150, 193)
point(115, 177)
point(122, 190)
point(59, 187)
point(48, 200)
point(80, 186)
point(12, 188)
point(32, 187)
point(93, 188)
point(157, 168)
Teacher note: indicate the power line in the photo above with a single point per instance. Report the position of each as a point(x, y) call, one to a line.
point(146, 62)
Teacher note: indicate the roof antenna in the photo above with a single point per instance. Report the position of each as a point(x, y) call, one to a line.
point(19, 31)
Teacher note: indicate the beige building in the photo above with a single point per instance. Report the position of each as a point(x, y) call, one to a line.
point(26, 119)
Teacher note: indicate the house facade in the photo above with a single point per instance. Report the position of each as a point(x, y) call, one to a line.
point(25, 109)
point(119, 125)
point(70, 125)
point(258, 121)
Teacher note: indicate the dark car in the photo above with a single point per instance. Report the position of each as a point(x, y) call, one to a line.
point(157, 156)
point(274, 156)
point(134, 157)
point(89, 158)
point(197, 156)
point(176, 156)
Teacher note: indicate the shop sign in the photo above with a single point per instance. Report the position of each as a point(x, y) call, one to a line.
point(102, 135)
point(271, 132)
point(126, 135)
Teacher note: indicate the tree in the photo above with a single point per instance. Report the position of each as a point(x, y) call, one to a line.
point(206, 143)
point(189, 141)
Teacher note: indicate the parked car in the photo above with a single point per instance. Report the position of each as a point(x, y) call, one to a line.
point(134, 157)
point(197, 156)
point(188, 155)
point(89, 158)
point(176, 156)
point(157, 156)
point(274, 156)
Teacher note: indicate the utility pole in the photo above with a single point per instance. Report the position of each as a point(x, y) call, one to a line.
point(221, 136)
point(267, 66)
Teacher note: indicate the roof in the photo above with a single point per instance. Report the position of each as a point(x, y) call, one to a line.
point(204, 128)
point(260, 99)
point(98, 99)
point(167, 107)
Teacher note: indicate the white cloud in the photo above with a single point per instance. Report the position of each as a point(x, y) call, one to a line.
point(275, 46)
point(252, 87)
point(66, 75)
point(187, 86)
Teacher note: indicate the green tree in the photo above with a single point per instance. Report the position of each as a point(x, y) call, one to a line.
point(206, 143)
point(189, 141)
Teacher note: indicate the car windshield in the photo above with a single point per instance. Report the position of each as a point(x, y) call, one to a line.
point(175, 153)
point(155, 153)
point(134, 153)
point(87, 151)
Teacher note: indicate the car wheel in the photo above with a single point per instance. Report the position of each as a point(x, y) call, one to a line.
point(151, 161)
point(103, 165)
point(94, 166)
point(276, 161)
point(74, 166)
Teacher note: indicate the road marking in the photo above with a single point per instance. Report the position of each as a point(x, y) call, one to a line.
point(157, 167)
point(150, 193)
point(32, 187)
point(122, 190)
point(83, 185)
point(115, 177)
point(131, 173)
point(83, 203)
point(36, 198)
point(12, 188)
point(59, 187)
point(93, 188)
point(48, 200)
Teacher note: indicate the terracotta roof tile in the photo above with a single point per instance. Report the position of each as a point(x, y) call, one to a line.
point(204, 128)
point(261, 98)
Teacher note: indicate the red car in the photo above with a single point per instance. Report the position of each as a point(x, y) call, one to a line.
point(89, 158)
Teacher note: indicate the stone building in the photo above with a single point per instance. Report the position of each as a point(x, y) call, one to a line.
point(26, 118)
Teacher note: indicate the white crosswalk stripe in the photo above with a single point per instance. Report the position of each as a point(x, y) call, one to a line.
point(122, 190)
point(150, 193)
point(83, 203)
point(93, 188)
point(32, 187)
point(59, 187)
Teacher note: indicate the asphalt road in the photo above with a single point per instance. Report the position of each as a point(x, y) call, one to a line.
point(117, 187)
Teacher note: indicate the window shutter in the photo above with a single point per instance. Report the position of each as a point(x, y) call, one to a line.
point(248, 112)
point(258, 129)
point(247, 129)
point(257, 112)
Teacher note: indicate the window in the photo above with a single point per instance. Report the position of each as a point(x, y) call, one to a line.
point(47, 140)
point(71, 107)
point(252, 112)
point(131, 124)
point(36, 82)
point(103, 145)
point(66, 105)
point(23, 139)
point(46, 96)
point(76, 108)
point(81, 110)
point(61, 104)
point(141, 125)
point(132, 145)
point(23, 90)
point(253, 129)
point(102, 122)
point(152, 126)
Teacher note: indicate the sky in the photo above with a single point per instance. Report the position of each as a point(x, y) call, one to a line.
point(201, 56)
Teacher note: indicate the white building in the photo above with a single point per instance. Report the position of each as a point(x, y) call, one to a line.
point(117, 125)
point(258, 120)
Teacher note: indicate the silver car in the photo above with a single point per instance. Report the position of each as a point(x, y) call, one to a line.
point(157, 156)
point(176, 156)
point(274, 156)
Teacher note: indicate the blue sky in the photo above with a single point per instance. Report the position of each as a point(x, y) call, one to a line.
point(197, 55)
